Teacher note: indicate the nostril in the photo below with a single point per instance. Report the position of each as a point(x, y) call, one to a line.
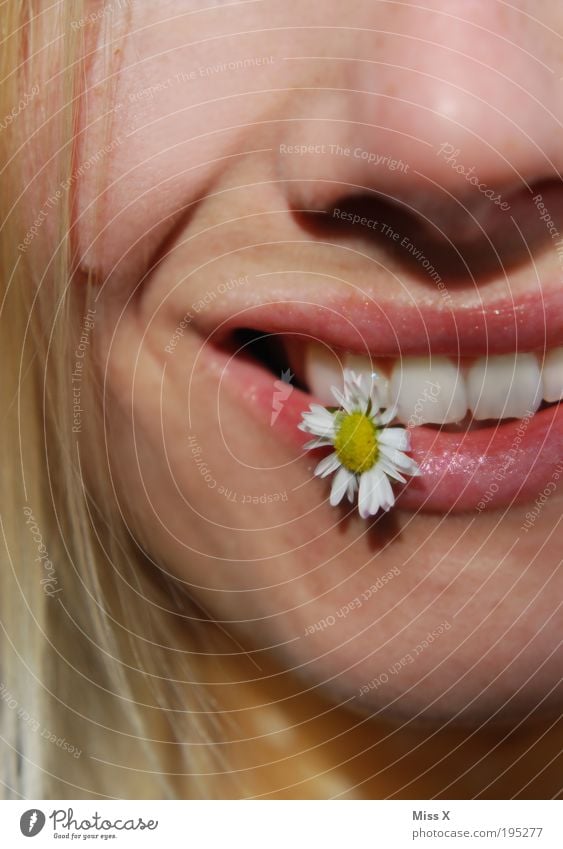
point(462, 242)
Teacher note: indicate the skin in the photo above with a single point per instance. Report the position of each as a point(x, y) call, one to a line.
point(200, 185)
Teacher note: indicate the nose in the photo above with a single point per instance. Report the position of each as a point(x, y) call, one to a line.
point(455, 101)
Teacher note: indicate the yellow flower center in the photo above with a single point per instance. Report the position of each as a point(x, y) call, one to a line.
point(356, 442)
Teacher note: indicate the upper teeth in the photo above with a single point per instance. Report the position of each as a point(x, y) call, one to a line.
point(437, 390)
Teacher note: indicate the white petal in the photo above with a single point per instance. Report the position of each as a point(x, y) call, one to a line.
point(387, 416)
point(379, 391)
point(414, 470)
point(398, 459)
point(319, 414)
point(355, 397)
point(318, 408)
point(344, 400)
point(319, 442)
point(359, 391)
point(340, 485)
point(395, 437)
point(384, 495)
point(327, 465)
point(364, 494)
point(375, 492)
point(318, 421)
point(319, 432)
point(390, 470)
point(352, 487)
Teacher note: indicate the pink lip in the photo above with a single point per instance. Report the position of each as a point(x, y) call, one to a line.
point(365, 326)
point(507, 464)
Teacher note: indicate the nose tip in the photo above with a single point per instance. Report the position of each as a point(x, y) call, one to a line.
point(454, 108)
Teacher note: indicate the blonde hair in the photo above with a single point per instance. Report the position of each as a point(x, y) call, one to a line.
point(112, 682)
point(94, 669)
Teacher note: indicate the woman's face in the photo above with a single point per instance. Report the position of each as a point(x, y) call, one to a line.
point(245, 139)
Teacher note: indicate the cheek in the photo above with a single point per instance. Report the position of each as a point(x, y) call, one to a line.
point(189, 459)
point(181, 101)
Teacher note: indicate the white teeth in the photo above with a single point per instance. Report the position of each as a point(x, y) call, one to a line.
point(428, 390)
point(552, 374)
point(363, 365)
point(437, 390)
point(323, 369)
point(504, 386)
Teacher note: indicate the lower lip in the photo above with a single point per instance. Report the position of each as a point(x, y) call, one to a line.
point(515, 462)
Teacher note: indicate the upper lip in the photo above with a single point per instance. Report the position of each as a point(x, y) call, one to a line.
point(372, 326)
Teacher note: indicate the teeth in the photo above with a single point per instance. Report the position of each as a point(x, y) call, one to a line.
point(553, 376)
point(505, 386)
point(428, 390)
point(436, 390)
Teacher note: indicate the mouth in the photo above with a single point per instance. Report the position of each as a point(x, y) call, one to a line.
point(480, 394)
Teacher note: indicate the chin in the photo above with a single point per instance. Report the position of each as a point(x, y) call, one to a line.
point(440, 686)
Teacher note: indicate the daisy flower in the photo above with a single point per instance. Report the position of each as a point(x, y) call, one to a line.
point(367, 454)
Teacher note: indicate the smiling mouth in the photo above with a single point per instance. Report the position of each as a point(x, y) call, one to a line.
point(485, 420)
